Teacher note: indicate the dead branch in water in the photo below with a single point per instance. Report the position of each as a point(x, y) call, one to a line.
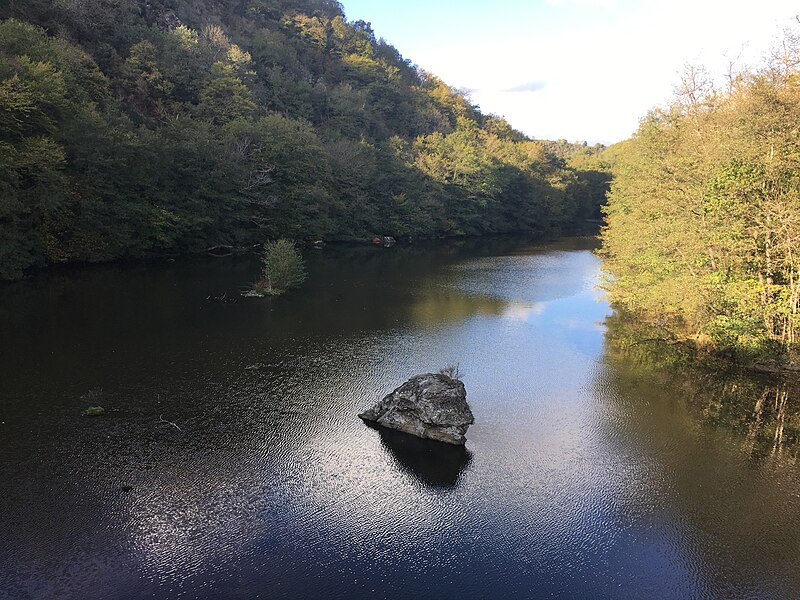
point(662, 340)
point(161, 419)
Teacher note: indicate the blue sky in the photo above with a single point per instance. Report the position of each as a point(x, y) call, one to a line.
point(574, 69)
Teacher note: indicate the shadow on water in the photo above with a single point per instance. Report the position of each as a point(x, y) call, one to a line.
point(432, 463)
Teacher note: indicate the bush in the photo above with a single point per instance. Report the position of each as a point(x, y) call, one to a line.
point(283, 268)
point(452, 371)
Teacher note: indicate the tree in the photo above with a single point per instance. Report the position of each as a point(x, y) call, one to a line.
point(172, 127)
point(283, 268)
point(704, 214)
point(225, 97)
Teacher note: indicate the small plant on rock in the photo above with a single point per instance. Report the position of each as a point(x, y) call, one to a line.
point(452, 371)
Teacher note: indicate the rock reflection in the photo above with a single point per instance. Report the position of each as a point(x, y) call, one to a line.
point(434, 464)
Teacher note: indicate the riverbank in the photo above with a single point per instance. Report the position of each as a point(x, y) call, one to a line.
point(647, 341)
point(308, 246)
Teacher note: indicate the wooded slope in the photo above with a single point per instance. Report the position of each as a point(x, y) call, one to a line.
point(146, 127)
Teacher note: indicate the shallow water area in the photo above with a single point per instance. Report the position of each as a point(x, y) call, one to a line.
point(231, 462)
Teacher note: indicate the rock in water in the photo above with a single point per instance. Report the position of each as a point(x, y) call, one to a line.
point(430, 406)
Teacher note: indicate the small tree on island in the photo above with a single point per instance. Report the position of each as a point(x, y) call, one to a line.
point(283, 268)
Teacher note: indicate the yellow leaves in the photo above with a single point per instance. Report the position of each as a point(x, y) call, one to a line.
point(187, 38)
point(31, 97)
point(702, 202)
point(310, 28)
point(238, 57)
point(445, 96)
point(364, 69)
point(214, 37)
point(16, 103)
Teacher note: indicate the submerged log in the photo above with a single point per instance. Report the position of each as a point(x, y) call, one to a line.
point(224, 250)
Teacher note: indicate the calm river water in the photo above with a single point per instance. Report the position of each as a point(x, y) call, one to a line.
point(231, 462)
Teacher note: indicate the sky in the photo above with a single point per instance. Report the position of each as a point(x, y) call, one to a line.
point(581, 70)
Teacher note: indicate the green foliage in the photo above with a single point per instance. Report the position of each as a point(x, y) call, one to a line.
point(131, 130)
point(645, 359)
point(283, 268)
point(225, 97)
point(703, 219)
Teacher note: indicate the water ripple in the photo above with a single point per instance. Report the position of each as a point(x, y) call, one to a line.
point(232, 464)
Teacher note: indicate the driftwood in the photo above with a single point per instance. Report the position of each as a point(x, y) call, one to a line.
point(161, 419)
point(224, 250)
point(671, 342)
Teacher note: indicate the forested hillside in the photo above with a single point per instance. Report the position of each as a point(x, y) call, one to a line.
point(703, 235)
point(146, 127)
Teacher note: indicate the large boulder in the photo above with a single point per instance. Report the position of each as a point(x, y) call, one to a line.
point(432, 406)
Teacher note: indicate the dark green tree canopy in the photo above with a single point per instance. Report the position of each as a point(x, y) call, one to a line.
point(141, 127)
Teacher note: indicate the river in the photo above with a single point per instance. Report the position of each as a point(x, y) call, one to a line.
point(230, 462)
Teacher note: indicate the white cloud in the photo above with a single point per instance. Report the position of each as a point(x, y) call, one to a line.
point(516, 311)
point(605, 62)
point(583, 3)
point(531, 86)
